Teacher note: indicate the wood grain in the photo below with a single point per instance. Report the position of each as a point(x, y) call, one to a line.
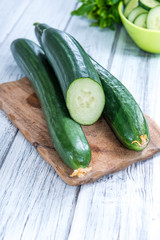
point(108, 155)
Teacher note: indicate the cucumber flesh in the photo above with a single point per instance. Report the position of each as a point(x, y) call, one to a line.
point(153, 20)
point(135, 13)
point(148, 4)
point(130, 6)
point(85, 100)
point(126, 2)
point(141, 20)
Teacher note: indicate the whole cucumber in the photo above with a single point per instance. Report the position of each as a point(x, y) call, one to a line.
point(67, 135)
point(122, 112)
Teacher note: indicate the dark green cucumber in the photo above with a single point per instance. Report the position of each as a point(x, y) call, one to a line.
point(78, 79)
point(121, 110)
point(67, 135)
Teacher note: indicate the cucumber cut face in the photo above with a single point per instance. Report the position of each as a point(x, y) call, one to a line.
point(135, 13)
point(130, 6)
point(126, 2)
point(153, 20)
point(141, 20)
point(85, 100)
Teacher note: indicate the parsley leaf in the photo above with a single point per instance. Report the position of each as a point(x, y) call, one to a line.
point(103, 13)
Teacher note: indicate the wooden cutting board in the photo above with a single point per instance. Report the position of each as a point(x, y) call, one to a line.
point(19, 102)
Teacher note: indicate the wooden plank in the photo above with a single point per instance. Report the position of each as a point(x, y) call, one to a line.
point(7, 134)
point(10, 12)
point(35, 202)
point(115, 207)
point(139, 72)
point(52, 13)
point(9, 15)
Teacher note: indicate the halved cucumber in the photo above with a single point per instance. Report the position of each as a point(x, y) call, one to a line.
point(130, 6)
point(77, 77)
point(135, 13)
point(141, 20)
point(153, 19)
point(148, 4)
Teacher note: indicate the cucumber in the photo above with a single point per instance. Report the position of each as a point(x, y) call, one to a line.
point(141, 20)
point(153, 19)
point(126, 2)
point(121, 110)
point(38, 30)
point(130, 6)
point(78, 79)
point(135, 13)
point(67, 135)
point(148, 4)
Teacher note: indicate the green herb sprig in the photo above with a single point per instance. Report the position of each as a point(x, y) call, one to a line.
point(103, 13)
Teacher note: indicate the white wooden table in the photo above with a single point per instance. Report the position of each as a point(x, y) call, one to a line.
point(34, 202)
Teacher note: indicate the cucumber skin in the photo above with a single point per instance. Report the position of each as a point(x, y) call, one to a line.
point(67, 57)
point(121, 110)
point(143, 6)
point(67, 135)
point(38, 30)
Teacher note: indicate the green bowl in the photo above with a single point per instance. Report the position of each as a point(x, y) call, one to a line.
point(146, 39)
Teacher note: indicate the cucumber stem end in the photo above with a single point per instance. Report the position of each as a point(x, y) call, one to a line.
point(80, 172)
point(144, 141)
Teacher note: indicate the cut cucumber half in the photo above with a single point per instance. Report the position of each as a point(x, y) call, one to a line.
point(79, 81)
point(141, 20)
point(135, 13)
point(153, 19)
point(85, 100)
point(130, 6)
point(148, 4)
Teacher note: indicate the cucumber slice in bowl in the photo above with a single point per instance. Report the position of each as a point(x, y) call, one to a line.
point(135, 13)
point(126, 2)
point(141, 20)
point(79, 81)
point(148, 4)
point(153, 20)
point(130, 6)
